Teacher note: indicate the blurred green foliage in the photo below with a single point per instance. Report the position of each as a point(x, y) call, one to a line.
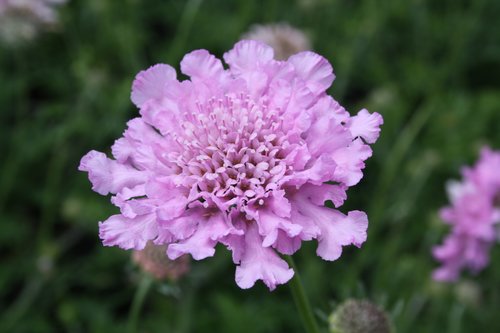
point(432, 68)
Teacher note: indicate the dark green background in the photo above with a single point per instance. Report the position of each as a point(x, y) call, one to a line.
point(431, 68)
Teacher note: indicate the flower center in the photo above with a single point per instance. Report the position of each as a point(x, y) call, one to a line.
point(233, 149)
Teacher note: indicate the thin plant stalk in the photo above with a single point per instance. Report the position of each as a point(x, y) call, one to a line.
point(301, 300)
point(138, 301)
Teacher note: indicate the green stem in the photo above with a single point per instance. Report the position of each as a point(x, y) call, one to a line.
point(301, 301)
point(139, 297)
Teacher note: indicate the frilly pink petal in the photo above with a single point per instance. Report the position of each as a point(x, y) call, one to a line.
point(184, 226)
point(287, 245)
point(325, 136)
point(280, 93)
point(335, 110)
point(248, 55)
point(99, 169)
point(201, 244)
point(163, 115)
point(172, 208)
point(350, 162)
point(366, 125)
point(257, 83)
point(122, 150)
point(336, 229)
point(320, 194)
point(136, 147)
point(236, 244)
point(315, 70)
point(310, 230)
point(128, 233)
point(202, 65)
point(108, 176)
point(128, 206)
point(151, 83)
point(302, 98)
point(319, 171)
point(279, 204)
point(270, 224)
point(260, 263)
point(340, 231)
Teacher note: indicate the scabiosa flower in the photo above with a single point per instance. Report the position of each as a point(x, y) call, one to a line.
point(283, 38)
point(152, 259)
point(473, 214)
point(237, 156)
point(22, 19)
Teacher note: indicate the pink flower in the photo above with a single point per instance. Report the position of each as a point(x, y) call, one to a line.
point(245, 157)
point(474, 211)
point(23, 19)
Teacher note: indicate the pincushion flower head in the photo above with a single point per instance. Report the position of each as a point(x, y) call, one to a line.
point(244, 156)
point(473, 215)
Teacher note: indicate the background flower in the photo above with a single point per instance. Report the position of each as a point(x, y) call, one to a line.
point(22, 19)
point(473, 215)
point(283, 38)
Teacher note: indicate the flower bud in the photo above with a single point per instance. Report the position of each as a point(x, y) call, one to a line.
point(284, 39)
point(153, 260)
point(359, 316)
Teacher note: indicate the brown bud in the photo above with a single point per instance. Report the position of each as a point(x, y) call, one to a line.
point(284, 39)
point(153, 259)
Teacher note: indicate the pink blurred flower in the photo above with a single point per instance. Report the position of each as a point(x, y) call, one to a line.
point(22, 19)
point(473, 214)
point(237, 156)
